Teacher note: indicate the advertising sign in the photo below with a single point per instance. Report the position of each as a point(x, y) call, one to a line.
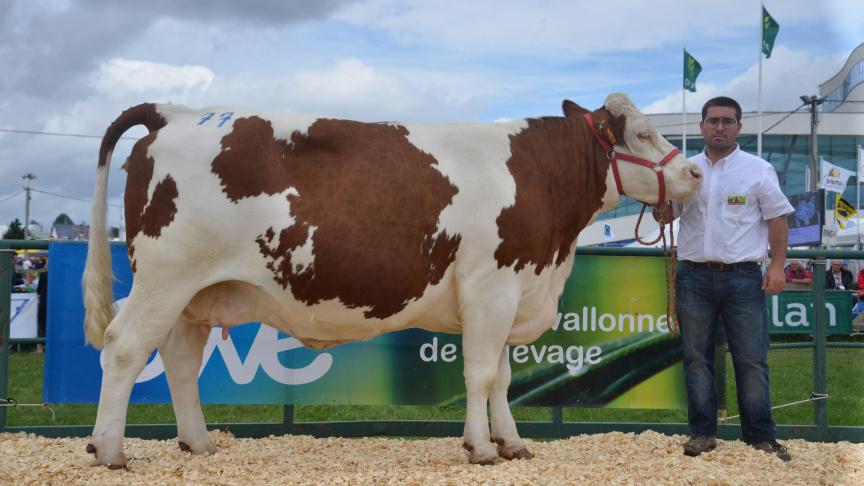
point(792, 312)
point(805, 224)
point(609, 346)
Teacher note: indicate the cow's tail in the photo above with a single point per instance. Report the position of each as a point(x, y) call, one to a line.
point(98, 278)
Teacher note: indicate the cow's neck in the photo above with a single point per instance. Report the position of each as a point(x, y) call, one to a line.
point(560, 176)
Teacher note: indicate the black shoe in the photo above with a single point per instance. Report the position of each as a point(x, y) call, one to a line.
point(699, 444)
point(773, 447)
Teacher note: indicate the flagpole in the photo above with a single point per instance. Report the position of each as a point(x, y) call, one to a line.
point(858, 196)
point(684, 112)
point(759, 95)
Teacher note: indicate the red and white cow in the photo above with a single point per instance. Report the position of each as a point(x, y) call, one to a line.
point(336, 230)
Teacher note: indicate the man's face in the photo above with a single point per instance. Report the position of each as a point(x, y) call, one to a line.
point(835, 266)
point(719, 128)
point(796, 265)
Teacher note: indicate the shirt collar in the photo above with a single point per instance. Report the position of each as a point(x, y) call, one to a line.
point(732, 155)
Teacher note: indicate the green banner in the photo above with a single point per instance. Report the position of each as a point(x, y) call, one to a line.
point(609, 346)
point(770, 28)
point(791, 312)
point(692, 68)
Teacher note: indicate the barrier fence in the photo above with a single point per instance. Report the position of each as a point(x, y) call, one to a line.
point(820, 430)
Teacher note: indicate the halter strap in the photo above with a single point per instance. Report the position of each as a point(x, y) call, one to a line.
point(657, 167)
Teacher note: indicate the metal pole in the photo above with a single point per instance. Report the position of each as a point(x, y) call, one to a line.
point(858, 196)
point(28, 177)
point(684, 117)
point(759, 91)
point(5, 306)
point(287, 419)
point(813, 101)
point(820, 318)
point(720, 375)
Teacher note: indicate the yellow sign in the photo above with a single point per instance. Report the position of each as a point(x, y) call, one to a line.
point(843, 211)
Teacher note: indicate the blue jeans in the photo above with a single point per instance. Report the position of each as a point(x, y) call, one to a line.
point(735, 300)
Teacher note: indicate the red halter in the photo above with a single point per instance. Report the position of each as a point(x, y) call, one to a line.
point(669, 256)
point(615, 157)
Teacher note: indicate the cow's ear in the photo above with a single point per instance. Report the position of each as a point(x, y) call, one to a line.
point(573, 109)
point(616, 129)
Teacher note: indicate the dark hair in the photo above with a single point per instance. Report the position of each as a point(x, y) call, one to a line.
point(722, 101)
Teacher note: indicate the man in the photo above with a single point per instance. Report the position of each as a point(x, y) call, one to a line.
point(838, 278)
point(797, 274)
point(723, 239)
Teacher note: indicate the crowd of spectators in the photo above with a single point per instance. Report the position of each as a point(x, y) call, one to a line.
point(31, 275)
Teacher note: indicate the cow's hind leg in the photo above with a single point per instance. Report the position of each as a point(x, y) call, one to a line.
point(182, 353)
point(486, 329)
point(504, 433)
point(143, 322)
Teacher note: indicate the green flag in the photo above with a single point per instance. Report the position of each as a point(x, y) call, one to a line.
point(692, 68)
point(770, 27)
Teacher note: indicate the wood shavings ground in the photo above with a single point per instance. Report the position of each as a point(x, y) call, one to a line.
point(612, 458)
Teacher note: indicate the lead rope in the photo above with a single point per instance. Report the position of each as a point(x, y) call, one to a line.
point(670, 258)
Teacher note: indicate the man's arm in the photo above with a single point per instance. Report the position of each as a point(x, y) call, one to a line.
point(778, 238)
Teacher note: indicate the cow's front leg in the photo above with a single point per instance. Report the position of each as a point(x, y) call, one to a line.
point(504, 433)
point(485, 332)
point(182, 353)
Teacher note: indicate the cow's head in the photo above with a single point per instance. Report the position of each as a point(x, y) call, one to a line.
point(623, 127)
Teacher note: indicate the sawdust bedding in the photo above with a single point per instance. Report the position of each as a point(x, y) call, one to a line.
point(612, 458)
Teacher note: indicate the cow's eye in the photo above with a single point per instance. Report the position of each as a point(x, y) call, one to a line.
point(644, 137)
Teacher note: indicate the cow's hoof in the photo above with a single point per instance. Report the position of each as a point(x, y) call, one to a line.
point(485, 456)
point(207, 448)
point(117, 461)
point(520, 452)
point(482, 461)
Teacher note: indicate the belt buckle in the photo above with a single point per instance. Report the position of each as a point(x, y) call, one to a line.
point(716, 266)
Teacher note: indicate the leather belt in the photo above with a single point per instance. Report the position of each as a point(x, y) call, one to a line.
point(724, 267)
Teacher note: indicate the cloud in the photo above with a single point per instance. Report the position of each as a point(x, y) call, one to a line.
point(73, 66)
point(48, 48)
point(123, 76)
point(349, 88)
point(785, 76)
point(262, 12)
point(352, 88)
point(555, 28)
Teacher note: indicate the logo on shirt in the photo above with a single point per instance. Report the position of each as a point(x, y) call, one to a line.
point(736, 200)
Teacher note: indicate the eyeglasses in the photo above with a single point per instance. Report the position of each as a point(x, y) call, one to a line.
point(726, 122)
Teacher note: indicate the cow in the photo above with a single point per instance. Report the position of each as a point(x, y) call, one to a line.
point(336, 230)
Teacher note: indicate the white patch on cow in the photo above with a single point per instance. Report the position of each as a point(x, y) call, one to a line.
point(299, 123)
point(474, 158)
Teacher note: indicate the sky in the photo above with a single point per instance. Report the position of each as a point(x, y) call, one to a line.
point(68, 68)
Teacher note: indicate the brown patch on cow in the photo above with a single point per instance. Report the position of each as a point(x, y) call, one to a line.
point(144, 214)
point(560, 174)
point(162, 208)
point(368, 199)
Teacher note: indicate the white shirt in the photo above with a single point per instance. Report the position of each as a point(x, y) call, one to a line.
point(726, 221)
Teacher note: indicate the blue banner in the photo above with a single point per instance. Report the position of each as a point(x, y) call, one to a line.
point(601, 351)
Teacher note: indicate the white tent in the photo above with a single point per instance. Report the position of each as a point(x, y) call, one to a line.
point(849, 236)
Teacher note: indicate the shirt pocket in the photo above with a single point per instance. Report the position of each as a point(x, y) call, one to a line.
point(738, 206)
